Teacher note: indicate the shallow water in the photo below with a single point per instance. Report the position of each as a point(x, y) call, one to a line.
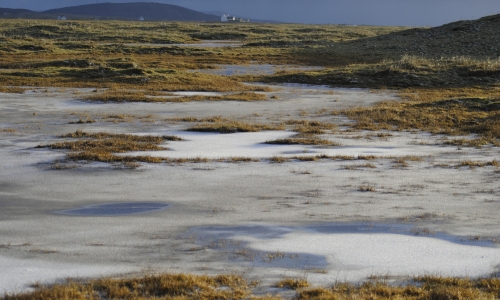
point(114, 209)
point(255, 69)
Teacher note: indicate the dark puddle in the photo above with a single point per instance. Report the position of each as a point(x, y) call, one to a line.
point(114, 209)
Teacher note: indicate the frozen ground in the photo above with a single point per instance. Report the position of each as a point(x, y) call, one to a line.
point(325, 220)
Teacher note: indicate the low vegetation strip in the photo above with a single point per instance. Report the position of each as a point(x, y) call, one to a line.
point(460, 111)
point(232, 126)
point(120, 96)
point(404, 72)
point(12, 90)
point(303, 141)
point(101, 146)
point(187, 286)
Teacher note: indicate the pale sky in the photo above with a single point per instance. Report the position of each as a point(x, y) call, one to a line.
point(371, 12)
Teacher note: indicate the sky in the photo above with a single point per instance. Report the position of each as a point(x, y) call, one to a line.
point(369, 12)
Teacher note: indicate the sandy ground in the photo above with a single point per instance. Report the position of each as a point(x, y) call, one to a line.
point(325, 220)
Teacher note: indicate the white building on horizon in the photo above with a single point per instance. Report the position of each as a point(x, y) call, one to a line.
point(229, 18)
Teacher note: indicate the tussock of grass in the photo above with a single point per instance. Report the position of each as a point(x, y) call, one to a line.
point(282, 159)
point(293, 283)
point(473, 164)
point(231, 126)
point(302, 141)
point(12, 90)
point(8, 130)
point(311, 127)
point(361, 166)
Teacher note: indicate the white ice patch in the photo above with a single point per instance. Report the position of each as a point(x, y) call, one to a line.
point(252, 144)
point(354, 257)
point(18, 274)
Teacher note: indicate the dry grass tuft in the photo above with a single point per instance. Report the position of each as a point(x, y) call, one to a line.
point(279, 159)
point(293, 283)
point(12, 90)
point(232, 126)
point(311, 127)
point(474, 164)
point(366, 188)
point(134, 96)
point(303, 141)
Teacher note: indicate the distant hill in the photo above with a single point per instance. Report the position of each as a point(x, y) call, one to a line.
point(16, 13)
point(133, 11)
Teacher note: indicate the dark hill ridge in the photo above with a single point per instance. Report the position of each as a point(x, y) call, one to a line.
point(474, 38)
point(10, 12)
point(133, 11)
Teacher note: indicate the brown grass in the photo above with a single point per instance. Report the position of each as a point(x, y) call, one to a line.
point(129, 96)
point(232, 126)
point(366, 188)
point(293, 283)
point(311, 127)
point(9, 130)
point(12, 90)
point(421, 288)
point(473, 164)
point(101, 146)
point(180, 286)
point(187, 286)
point(302, 141)
point(440, 111)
